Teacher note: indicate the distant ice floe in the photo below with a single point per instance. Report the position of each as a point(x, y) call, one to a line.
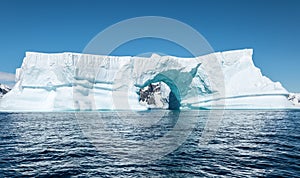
point(4, 89)
point(295, 98)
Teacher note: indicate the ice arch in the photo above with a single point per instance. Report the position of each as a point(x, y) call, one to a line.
point(177, 81)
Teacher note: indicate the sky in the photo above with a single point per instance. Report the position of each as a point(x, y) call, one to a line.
point(270, 27)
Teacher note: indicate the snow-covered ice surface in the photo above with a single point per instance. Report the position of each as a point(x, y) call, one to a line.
point(72, 81)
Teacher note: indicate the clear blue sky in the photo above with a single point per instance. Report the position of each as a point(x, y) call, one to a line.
point(270, 27)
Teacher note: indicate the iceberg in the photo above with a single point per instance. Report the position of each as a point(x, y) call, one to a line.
point(73, 81)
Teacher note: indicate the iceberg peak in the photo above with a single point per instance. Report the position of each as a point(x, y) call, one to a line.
point(155, 55)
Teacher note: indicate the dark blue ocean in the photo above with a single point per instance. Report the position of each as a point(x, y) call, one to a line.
point(151, 144)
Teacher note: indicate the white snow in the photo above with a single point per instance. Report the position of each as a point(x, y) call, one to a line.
point(72, 81)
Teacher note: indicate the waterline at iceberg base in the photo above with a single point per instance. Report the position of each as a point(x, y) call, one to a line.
point(73, 81)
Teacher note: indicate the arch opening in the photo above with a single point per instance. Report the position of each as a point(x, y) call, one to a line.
point(159, 94)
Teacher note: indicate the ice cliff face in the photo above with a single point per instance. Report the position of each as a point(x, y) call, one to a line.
point(72, 81)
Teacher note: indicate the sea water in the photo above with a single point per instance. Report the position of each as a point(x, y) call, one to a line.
point(237, 143)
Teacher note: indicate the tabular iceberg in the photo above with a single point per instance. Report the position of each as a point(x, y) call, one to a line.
point(73, 81)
